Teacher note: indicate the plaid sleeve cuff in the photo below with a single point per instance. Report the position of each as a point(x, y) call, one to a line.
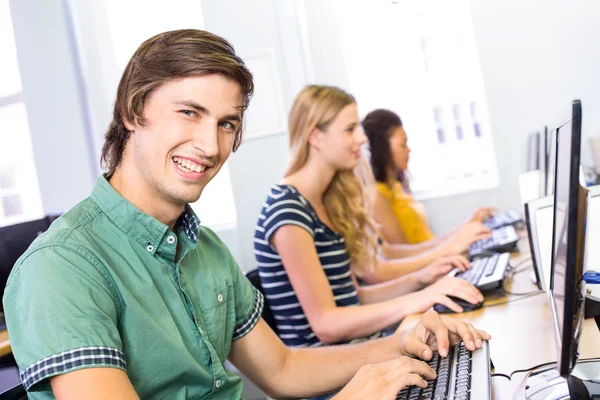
point(246, 326)
point(71, 360)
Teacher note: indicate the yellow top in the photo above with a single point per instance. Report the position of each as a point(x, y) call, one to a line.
point(409, 213)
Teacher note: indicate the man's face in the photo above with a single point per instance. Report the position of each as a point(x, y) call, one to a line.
point(187, 136)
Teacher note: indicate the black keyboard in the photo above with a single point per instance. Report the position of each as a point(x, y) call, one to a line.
point(453, 378)
point(480, 267)
point(503, 218)
point(503, 239)
point(486, 273)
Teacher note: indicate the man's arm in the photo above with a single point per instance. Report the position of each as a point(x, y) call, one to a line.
point(284, 372)
point(71, 324)
point(93, 384)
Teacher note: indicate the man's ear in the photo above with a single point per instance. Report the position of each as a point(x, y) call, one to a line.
point(128, 125)
point(314, 139)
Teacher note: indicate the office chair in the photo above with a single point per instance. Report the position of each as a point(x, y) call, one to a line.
point(17, 392)
point(267, 315)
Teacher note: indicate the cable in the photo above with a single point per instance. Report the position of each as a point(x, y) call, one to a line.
point(522, 294)
point(518, 271)
point(513, 300)
point(514, 267)
point(547, 364)
point(513, 271)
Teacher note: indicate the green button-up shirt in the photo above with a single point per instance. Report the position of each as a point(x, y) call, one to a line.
point(110, 286)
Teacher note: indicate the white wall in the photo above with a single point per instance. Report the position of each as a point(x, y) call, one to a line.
point(61, 146)
point(260, 162)
point(536, 57)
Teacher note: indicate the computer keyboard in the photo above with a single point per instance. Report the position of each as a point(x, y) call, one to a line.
point(503, 218)
point(463, 375)
point(503, 240)
point(486, 273)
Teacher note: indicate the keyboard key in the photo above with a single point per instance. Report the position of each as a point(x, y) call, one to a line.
point(490, 266)
point(438, 389)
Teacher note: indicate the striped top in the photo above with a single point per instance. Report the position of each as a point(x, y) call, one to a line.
point(285, 206)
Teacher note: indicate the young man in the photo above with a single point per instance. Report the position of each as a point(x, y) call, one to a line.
point(127, 296)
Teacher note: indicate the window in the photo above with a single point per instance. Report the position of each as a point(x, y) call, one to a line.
point(419, 59)
point(216, 207)
point(20, 198)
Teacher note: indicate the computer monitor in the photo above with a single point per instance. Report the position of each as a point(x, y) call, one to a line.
point(533, 161)
point(543, 161)
point(568, 243)
point(539, 218)
point(592, 234)
point(550, 178)
point(14, 240)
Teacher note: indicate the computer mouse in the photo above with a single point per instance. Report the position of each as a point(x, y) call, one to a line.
point(466, 306)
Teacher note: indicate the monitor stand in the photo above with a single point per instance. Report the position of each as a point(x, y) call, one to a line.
point(582, 384)
point(584, 381)
point(533, 277)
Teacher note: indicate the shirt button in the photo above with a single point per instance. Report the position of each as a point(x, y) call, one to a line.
point(220, 297)
point(150, 248)
point(218, 383)
point(171, 239)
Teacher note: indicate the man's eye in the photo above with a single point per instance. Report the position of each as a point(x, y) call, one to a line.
point(188, 113)
point(228, 125)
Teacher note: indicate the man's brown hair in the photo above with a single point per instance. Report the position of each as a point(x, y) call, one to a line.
point(162, 58)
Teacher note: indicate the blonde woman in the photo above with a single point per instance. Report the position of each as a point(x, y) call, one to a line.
point(314, 226)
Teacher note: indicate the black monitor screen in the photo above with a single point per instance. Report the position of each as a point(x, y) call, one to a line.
point(543, 164)
point(568, 239)
point(551, 163)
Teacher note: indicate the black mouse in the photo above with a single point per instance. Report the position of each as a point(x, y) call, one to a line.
point(466, 306)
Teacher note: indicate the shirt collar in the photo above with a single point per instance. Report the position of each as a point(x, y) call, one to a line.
point(145, 229)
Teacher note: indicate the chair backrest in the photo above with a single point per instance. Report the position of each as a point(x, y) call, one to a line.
point(17, 392)
point(267, 315)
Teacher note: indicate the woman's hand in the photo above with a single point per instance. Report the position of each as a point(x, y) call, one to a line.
point(441, 267)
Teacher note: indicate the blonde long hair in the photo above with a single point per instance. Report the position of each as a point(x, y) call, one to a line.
point(316, 107)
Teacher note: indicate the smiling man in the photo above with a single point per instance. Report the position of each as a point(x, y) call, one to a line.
point(127, 296)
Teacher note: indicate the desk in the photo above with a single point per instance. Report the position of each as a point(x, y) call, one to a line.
point(5, 348)
point(521, 331)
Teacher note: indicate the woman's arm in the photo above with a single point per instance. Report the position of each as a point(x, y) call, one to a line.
point(398, 264)
point(389, 227)
point(379, 292)
point(391, 270)
point(333, 324)
point(402, 250)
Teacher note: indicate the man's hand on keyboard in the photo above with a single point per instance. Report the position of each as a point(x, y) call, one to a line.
point(438, 333)
point(386, 379)
point(440, 268)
